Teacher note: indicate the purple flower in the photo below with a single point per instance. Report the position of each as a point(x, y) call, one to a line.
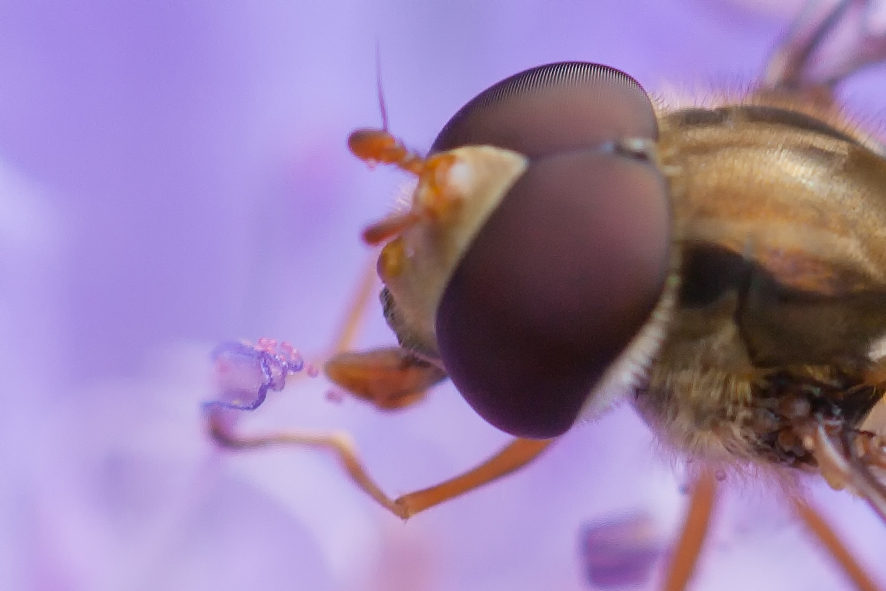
point(174, 176)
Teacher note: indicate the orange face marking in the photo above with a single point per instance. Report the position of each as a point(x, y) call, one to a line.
point(438, 203)
point(391, 258)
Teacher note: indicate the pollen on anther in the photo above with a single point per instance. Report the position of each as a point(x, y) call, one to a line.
point(244, 373)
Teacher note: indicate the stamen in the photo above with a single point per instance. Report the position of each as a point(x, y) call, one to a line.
point(245, 372)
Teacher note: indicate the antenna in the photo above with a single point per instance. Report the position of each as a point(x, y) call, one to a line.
point(381, 94)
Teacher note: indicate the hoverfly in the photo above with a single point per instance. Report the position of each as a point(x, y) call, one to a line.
point(570, 244)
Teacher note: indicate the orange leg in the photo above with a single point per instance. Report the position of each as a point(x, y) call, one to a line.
point(350, 327)
point(512, 457)
point(696, 526)
point(338, 443)
point(692, 537)
point(832, 544)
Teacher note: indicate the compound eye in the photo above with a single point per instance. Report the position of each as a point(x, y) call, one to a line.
point(556, 284)
point(552, 109)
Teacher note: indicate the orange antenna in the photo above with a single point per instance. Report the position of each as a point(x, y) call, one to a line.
point(378, 146)
point(381, 93)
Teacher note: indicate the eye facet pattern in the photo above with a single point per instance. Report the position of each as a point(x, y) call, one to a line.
point(569, 266)
point(554, 287)
point(553, 108)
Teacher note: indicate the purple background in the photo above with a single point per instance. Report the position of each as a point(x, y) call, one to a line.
point(174, 174)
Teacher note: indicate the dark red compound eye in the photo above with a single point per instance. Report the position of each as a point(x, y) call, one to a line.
point(571, 263)
point(552, 109)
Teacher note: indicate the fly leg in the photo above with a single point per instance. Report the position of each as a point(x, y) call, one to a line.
point(695, 528)
point(828, 43)
point(388, 378)
point(832, 544)
point(350, 327)
point(842, 456)
point(338, 443)
point(221, 423)
point(841, 467)
point(512, 457)
point(692, 537)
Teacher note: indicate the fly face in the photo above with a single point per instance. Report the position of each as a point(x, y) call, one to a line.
point(570, 243)
point(499, 290)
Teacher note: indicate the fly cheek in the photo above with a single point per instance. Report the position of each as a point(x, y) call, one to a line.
point(571, 263)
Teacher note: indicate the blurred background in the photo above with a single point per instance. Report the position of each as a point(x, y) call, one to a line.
point(174, 174)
